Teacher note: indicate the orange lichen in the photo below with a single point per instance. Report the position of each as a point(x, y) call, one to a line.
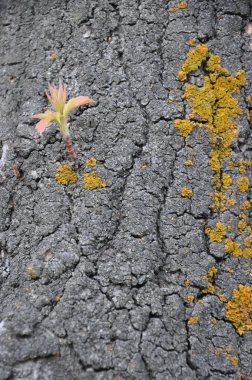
point(54, 55)
point(231, 202)
point(243, 184)
point(66, 175)
point(239, 311)
point(181, 5)
point(91, 162)
point(233, 359)
point(186, 193)
point(230, 270)
point(193, 320)
point(248, 241)
point(226, 180)
point(187, 282)
point(188, 163)
point(242, 216)
point(92, 181)
point(210, 289)
point(232, 247)
point(214, 321)
point(208, 277)
point(190, 299)
point(214, 108)
point(192, 41)
point(245, 206)
point(184, 126)
point(217, 233)
point(241, 226)
point(221, 297)
point(194, 60)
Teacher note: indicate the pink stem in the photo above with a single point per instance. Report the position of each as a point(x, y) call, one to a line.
point(69, 147)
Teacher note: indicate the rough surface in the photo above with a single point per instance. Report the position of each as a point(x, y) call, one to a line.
point(95, 283)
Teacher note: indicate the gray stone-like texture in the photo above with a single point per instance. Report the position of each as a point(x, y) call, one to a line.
point(92, 283)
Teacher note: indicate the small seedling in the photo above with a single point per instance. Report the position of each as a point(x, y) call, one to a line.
point(57, 98)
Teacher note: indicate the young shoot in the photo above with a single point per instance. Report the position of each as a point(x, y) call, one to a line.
point(57, 98)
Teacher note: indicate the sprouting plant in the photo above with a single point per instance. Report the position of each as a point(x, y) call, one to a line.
point(57, 98)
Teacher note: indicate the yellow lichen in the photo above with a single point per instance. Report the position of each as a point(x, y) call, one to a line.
point(217, 233)
point(184, 126)
point(214, 321)
point(192, 41)
point(92, 181)
point(248, 241)
point(186, 193)
point(188, 163)
point(226, 180)
point(181, 5)
point(233, 359)
point(230, 270)
point(219, 350)
point(247, 253)
point(245, 206)
point(187, 282)
point(214, 108)
point(193, 320)
point(242, 216)
point(228, 349)
point(231, 202)
point(239, 375)
point(210, 289)
point(243, 184)
point(239, 310)
point(208, 277)
point(194, 60)
point(66, 175)
point(233, 248)
point(91, 162)
point(241, 226)
point(54, 55)
point(222, 298)
point(190, 299)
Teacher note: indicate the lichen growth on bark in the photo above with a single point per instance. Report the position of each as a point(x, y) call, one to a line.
point(181, 5)
point(214, 108)
point(243, 184)
point(239, 310)
point(66, 175)
point(91, 162)
point(216, 233)
point(193, 320)
point(186, 193)
point(92, 181)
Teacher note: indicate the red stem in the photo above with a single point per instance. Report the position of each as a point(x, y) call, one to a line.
point(69, 147)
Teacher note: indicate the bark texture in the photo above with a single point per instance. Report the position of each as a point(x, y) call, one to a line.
point(94, 284)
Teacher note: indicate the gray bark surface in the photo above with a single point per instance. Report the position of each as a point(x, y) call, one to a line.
point(92, 282)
